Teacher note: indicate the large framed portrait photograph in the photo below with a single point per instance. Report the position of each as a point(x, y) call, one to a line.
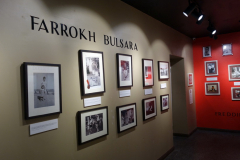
point(211, 68)
point(207, 51)
point(91, 72)
point(234, 72)
point(212, 88)
point(147, 67)
point(124, 70)
point(163, 70)
point(149, 108)
point(42, 89)
point(190, 79)
point(235, 93)
point(92, 124)
point(227, 49)
point(164, 99)
point(126, 117)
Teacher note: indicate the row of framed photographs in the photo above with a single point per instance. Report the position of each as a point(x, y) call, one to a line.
point(213, 88)
point(211, 69)
point(226, 48)
point(93, 123)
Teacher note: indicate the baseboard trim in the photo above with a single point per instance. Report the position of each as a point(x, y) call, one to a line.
point(166, 154)
point(185, 135)
point(220, 130)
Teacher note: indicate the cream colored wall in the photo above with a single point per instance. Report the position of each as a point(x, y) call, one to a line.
point(18, 44)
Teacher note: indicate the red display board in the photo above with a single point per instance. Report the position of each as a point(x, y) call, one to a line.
point(216, 111)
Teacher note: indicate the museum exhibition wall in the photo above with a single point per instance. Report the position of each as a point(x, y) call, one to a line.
point(74, 35)
point(216, 68)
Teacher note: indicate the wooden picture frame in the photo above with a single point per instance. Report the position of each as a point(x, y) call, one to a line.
point(147, 72)
point(227, 49)
point(149, 108)
point(235, 93)
point(207, 52)
point(212, 88)
point(211, 68)
point(164, 100)
point(234, 72)
point(163, 70)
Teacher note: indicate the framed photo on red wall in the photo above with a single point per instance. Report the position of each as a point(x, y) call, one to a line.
point(212, 88)
point(147, 67)
point(207, 51)
point(149, 108)
point(211, 68)
point(234, 72)
point(190, 79)
point(227, 49)
point(235, 93)
point(163, 70)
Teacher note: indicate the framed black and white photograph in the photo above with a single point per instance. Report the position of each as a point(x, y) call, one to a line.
point(207, 51)
point(124, 70)
point(234, 72)
point(163, 70)
point(212, 88)
point(235, 93)
point(91, 72)
point(42, 89)
point(164, 99)
point(126, 117)
point(149, 108)
point(92, 124)
point(211, 68)
point(227, 49)
point(147, 68)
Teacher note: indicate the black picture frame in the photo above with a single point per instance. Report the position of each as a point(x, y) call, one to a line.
point(41, 98)
point(97, 76)
point(121, 82)
point(164, 102)
point(122, 126)
point(148, 76)
point(84, 123)
point(163, 77)
point(146, 108)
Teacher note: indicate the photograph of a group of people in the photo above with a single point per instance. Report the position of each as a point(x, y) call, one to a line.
point(127, 117)
point(125, 70)
point(235, 72)
point(43, 90)
point(94, 124)
point(150, 109)
point(93, 72)
point(211, 68)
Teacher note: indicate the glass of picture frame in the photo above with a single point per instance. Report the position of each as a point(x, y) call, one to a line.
point(234, 72)
point(92, 124)
point(91, 72)
point(227, 49)
point(42, 89)
point(212, 88)
point(147, 71)
point(126, 117)
point(207, 51)
point(211, 68)
point(124, 70)
point(235, 93)
point(190, 79)
point(149, 108)
point(164, 100)
point(163, 70)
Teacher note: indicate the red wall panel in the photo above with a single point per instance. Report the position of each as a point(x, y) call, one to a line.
point(218, 111)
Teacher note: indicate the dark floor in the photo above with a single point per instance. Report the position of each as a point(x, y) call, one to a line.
point(207, 145)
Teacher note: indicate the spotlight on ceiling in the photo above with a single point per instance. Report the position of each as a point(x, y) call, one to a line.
point(189, 9)
point(211, 28)
point(214, 36)
point(198, 15)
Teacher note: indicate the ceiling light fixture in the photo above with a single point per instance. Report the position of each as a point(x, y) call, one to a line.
point(211, 29)
point(189, 9)
point(198, 15)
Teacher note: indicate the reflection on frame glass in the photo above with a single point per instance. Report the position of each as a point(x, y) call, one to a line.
point(211, 68)
point(147, 67)
point(212, 88)
point(163, 70)
point(207, 51)
point(235, 93)
point(234, 72)
point(227, 49)
point(149, 108)
point(91, 72)
point(92, 124)
point(126, 117)
point(42, 83)
point(164, 99)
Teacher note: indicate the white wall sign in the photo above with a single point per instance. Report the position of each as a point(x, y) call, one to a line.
point(236, 83)
point(163, 85)
point(212, 79)
point(148, 91)
point(92, 101)
point(190, 96)
point(125, 93)
point(43, 126)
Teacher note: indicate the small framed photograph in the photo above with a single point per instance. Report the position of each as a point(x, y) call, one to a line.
point(207, 51)
point(124, 70)
point(212, 88)
point(92, 124)
point(126, 117)
point(42, 84)
point(92, 72)
point(235, 93)
point(227, 49)
point(147, 67)
point(149, 108)
point(190, 79)
point(163, 70)
point(234, 72)
point(211, 68)
point(164, 102)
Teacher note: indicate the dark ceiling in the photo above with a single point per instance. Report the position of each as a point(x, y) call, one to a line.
point(224, 15)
